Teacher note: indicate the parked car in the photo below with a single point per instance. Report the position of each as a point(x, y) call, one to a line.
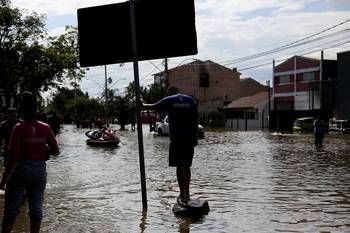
point(149, 117)
point(162, 128)
point(339, 125)
point(304, 124)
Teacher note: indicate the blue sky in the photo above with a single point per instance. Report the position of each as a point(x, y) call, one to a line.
point(226, 30)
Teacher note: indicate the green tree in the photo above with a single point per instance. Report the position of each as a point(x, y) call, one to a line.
point(29, 58)
point(84, 108)
point(123, 109)
point(62, 98)
point(154, 93)
point(130, 90)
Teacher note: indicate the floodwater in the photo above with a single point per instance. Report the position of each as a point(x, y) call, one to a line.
point(254, 181)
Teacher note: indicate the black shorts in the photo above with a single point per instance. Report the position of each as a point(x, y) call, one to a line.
point(180, 154)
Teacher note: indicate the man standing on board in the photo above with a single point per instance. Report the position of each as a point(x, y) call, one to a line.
point(183, 124)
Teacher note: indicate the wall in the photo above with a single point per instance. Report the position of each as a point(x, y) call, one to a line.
point(343, 86)
point(224, 83)
point(252, 124)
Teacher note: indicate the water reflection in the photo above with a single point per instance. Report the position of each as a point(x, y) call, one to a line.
point(143, 222)
point(254, 182)
point(185, 222)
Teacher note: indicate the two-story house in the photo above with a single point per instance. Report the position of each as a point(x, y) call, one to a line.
point(303, 86)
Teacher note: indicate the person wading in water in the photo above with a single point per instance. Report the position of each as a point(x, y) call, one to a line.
point(30, 145)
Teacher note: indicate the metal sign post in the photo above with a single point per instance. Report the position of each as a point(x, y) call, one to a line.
point(138, 100)
point(99, 45)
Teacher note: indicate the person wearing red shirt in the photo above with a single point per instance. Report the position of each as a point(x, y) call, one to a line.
point(30, 144)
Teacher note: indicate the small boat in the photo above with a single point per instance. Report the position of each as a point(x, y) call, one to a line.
point(104, 137)
point(101, 142)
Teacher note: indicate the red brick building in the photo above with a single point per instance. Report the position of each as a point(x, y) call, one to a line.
point(303, 86)
point(251, 87)
point(212, 84)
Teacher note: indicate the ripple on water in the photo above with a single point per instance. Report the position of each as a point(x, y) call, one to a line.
point(254, 181)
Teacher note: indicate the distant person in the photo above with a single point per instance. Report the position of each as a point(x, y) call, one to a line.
point(183, 124)
point(151, 120)
point(133, 118)
point(319, 129)
point(6, 130)
point(54, 121)
point(280, 128)
point(133, 123)
point(30, 144)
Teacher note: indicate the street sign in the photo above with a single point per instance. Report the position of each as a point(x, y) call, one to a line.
point(163, 29)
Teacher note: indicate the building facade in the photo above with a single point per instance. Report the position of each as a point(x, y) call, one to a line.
point(248, 112)
point(212, 84)
point(343, 86)
point(251, 87)
point(303, 86)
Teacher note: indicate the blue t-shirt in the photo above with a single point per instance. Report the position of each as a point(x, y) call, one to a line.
point(318, 126)
point(182, 112)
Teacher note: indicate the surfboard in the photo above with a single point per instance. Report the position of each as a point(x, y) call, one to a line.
point(194, 207)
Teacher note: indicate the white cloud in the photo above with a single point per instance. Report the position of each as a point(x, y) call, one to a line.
point(261, 33)
point(229, 29)
point(57, 31)
point(59, 7)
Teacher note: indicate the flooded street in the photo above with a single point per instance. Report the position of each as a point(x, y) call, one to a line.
point(254, 181)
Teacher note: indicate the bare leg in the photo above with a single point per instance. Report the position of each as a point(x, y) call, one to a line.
point(180, 180)
point(184, 179)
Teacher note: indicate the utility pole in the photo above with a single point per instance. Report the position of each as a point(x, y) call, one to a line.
point(274, 101)
point(225, 106)
point(165, 65)
point(166, 80)
point(269, 105)
point(106, 94)
point(321, 80)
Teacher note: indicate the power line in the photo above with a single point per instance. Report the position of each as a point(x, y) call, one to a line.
point(303, 41)
point(157, 67)
point(286, 45)
point(269, 63)
point(320, 45)
point(113, 72)
point(291, 46)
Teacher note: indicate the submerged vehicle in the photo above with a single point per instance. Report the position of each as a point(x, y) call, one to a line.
point(102, 137)
point(162, 128)
point(304, 124)
point(339, 125)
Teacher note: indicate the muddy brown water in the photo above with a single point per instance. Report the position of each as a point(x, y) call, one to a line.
point(254, 181)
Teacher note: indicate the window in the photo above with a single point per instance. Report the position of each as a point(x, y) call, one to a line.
point(308, 77)
point(284, 79)
point(204, 80)
point(250, 115)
